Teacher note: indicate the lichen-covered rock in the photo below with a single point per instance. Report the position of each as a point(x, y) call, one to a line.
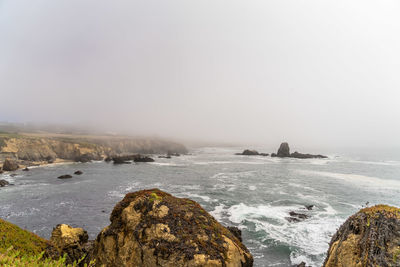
point(153, 228)
point(370, 237)
point(72, 242)
point(10, 165)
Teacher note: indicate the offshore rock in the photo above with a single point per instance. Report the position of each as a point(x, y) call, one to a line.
point(248, 152)
point(153, 228)
point(78, 172)
point(371, 237)
point(10, 165)
point(284, 150)
point(140, 158)
point(65, 176)
point(298, 155)
point(3, 183)
point(73, 242)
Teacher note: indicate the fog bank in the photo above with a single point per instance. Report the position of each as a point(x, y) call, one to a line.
point(308, 72)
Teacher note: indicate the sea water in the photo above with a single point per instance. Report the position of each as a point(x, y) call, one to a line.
point(254, 193)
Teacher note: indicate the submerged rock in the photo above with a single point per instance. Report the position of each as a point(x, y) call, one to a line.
point(153, 228)
point(72, 242)
point(65, 176)
point(10, 165)
point(296, 217)
point(3, 183)
point(78, 172)
point(371, 237)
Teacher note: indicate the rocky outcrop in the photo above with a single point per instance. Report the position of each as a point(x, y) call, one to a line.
point(140, 158)
point(3, 183)
point(126, 159)
point(10, 165)
point(65, 176)
point(248, 152)
point(38, 148)
point(371, 237)
point(284, 152)
point(153, 228)
point(298, 155)
point(72, 242)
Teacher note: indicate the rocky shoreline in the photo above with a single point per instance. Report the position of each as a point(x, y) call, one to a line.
point(153, 228)
point(23, 150)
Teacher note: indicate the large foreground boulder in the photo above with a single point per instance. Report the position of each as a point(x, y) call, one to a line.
point(10, 165)
point(71, 242)
point(153, 228)
point(370, 237)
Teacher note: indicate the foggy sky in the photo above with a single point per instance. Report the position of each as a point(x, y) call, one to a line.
point(308, 72)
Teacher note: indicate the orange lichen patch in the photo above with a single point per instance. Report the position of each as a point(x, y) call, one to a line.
point(387, 211)
point(151, 225)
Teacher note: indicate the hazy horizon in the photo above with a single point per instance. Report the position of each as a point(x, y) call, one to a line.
point(310, 73)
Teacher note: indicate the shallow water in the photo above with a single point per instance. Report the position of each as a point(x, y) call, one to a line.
point(253, 193)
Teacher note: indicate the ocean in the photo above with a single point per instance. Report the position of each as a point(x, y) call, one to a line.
point(254, 193)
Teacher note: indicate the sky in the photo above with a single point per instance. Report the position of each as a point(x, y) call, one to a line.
point(308, 72)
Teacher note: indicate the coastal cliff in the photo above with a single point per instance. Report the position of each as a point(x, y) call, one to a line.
point(30, 149)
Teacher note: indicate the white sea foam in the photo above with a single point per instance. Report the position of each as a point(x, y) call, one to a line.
point(311, 236)
point(167, 164)
point(361, 180)
point(194, 195)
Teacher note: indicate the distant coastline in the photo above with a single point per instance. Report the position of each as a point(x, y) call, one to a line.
point(39, 149)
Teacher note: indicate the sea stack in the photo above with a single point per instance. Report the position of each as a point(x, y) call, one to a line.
point(153, 228)
point(371, 237)
point(284, 150)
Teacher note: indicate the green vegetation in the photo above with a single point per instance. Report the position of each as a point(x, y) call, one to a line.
point(26, 243)
point(19, 247)
point(387, 211)
point(12, 257)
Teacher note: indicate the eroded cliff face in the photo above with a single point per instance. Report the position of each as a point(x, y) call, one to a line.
point(153, 228)
point(371, 237)
point(45, 149)
point(42, 149)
